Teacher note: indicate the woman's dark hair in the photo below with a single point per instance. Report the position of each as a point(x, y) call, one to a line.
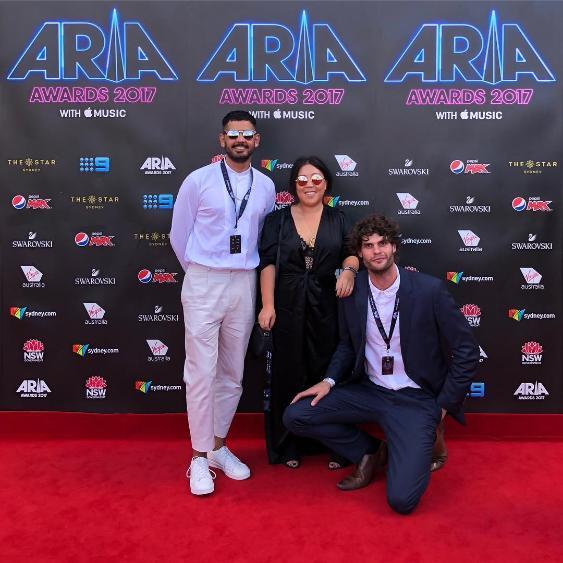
point(374, 225)
point(313, 161)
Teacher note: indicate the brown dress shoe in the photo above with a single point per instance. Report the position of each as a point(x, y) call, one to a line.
point(439, 450)
point(365, 470)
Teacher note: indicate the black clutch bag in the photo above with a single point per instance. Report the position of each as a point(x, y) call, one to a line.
point(261, 341)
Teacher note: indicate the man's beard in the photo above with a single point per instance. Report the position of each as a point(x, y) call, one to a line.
point(382, 269)
point(239, 157)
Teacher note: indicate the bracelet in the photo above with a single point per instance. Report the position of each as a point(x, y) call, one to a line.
point(330, 381)
point(350, 269)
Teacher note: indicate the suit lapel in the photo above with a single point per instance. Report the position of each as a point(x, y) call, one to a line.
point(361, 301)
point(406, 304)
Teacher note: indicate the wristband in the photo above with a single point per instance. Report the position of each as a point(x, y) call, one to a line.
point(350, 269)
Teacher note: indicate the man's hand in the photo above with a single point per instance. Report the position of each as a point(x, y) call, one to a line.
point(319, 390)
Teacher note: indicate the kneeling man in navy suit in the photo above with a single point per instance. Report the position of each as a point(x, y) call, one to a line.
point(405, 359)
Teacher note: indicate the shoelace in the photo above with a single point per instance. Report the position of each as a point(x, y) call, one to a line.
point(189, 471)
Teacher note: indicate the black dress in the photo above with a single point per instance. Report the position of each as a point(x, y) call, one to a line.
point(306, 329)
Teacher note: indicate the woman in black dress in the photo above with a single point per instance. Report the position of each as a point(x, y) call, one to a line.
point(299, 303)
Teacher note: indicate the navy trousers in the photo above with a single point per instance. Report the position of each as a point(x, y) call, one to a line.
point(408, 417)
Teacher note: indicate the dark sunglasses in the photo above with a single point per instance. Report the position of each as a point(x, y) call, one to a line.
point(316, 179)
point(246, 134)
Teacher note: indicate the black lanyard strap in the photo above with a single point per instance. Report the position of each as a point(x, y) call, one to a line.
point(377, 318)
point(231, 193)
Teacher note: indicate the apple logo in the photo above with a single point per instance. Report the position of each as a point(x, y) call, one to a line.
point(88, 112)
point(470, 199)
point(464, 114)
point(277, 114)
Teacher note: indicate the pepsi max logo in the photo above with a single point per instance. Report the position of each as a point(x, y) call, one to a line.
point(519, 204)
point(81, 239)
point(19, 202)
point(457, 166)
point(144, 276)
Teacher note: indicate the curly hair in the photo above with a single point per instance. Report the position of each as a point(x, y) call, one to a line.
point(375, 224)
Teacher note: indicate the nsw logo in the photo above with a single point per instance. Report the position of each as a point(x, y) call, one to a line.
point(472, 313)
point(532, 353)
point(33, 350)
point(96, 387)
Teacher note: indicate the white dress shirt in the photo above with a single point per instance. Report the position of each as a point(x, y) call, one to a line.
point(375, 345)
point(204, 218)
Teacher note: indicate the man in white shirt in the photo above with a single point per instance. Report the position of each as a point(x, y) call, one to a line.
point(218, 216)
point(390, 367)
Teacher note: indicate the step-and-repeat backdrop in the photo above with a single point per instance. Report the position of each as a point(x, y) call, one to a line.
point(446, 116)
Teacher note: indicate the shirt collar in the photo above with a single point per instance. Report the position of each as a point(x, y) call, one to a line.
point(237, 174)
point(391, 290)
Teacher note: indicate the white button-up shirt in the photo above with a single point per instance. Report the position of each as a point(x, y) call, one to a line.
point(204, 218)
point(375, 345)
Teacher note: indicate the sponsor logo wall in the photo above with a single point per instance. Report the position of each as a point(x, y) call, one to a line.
point(443, 116)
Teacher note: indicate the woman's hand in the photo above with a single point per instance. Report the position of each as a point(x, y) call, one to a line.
point(345, 283)
point(267, 318)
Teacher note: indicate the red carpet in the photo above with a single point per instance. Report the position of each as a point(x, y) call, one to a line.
point(128, 500)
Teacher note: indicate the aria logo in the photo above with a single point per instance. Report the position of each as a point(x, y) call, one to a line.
point(72, 50)
point(531, 391)
point(444, 52)
point(472, 313)
point(33, 389)
point(409, 204)
point(260, 52)
point(158, 166)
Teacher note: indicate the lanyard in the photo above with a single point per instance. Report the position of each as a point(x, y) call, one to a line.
point(229, 187)
point(377, 318)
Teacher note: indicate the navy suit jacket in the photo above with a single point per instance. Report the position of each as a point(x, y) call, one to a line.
point(439, 350)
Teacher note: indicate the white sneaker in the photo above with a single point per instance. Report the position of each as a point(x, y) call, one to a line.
point(228, 462)
point(200, 476)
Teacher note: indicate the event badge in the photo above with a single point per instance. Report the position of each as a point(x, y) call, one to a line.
point(235, 244)
point(387, 365)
